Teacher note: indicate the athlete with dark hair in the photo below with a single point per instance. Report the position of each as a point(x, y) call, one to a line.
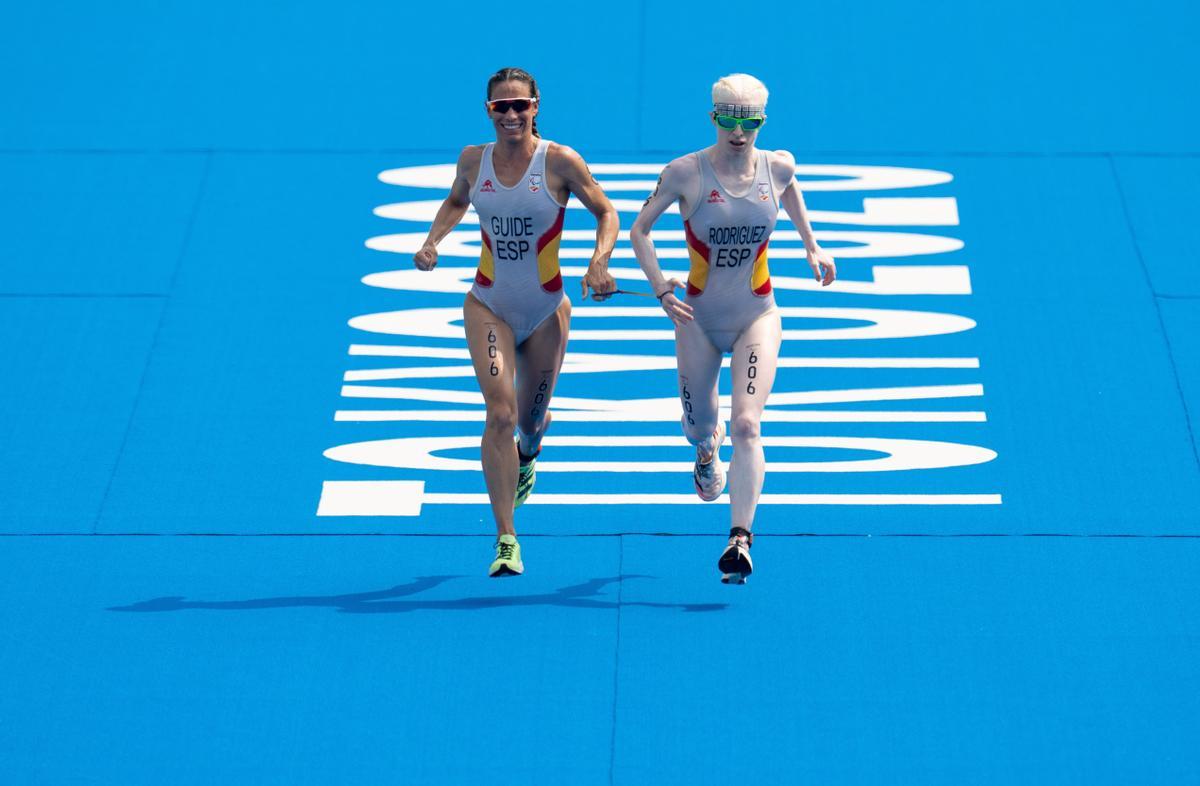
point(516, 314)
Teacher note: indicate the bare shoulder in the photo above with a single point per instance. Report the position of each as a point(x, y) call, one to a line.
point(557, 151)
point(682, 170)
point(468, 162)
point(687, 159)
point(564, 159)
point(470, 157)
point(783, 164)
point(684, 164)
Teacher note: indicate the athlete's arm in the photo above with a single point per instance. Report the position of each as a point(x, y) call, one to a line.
point(823, 267)
point(673, 184)
point(571, 167)
point(453, 208)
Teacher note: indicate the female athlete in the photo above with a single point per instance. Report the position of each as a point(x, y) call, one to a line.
point(516, 314)
point(729, 195)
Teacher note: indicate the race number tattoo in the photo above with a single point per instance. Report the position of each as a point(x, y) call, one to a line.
point(493, 369)
point(653, 193)
point(751, 370)
point(539, 401)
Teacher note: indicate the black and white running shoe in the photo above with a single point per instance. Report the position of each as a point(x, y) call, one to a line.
point(735, 563)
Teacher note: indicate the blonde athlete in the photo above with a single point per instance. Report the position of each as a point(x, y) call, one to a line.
point(516, 314)
point(729, 196)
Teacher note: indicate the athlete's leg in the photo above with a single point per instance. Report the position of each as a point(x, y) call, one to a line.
point(755, 356)
point(493, 354)
point(699, 364)
point(539, 359)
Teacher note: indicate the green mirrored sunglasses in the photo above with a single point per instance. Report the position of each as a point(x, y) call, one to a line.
point(747, 123)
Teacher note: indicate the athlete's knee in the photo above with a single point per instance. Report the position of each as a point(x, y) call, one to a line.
point(745, 428)
point(501, 418)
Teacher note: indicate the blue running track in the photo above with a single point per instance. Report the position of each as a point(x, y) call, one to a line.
point(244, 535)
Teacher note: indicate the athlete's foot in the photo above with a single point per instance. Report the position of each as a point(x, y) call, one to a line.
point(735, 563)
point(508, 558)
point(708, 473)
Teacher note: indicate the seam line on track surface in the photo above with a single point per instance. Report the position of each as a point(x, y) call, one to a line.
point(612, 740)
point(1162, 325)
point(87, 295)
point(162, 315)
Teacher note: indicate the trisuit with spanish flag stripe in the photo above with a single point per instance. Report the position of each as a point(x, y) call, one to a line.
point(518, 276)
point(729, 285)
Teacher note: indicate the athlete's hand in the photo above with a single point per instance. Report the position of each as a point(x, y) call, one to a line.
point(679, 312)
point(426, 258)
point(602, 284)
point(823, 267)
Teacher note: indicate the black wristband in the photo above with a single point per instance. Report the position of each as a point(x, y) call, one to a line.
point(663, 295)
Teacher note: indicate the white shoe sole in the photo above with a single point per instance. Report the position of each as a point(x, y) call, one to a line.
point(735, 565)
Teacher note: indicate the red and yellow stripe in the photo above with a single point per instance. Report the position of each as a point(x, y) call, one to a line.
point(547, 255)
point(760, 278)
point(485, 275)
point(698, 253)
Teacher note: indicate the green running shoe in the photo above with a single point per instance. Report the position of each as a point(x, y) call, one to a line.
point(508, 558)
point(526, 476)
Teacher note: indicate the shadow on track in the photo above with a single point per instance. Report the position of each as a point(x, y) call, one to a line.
point(390, 601)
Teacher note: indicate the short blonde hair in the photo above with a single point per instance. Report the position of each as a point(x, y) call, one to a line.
point(740, 89)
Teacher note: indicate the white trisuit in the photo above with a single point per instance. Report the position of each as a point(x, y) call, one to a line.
point(729, 290)
point(518, 276)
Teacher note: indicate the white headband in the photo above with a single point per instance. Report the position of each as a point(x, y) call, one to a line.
point(738, 110)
